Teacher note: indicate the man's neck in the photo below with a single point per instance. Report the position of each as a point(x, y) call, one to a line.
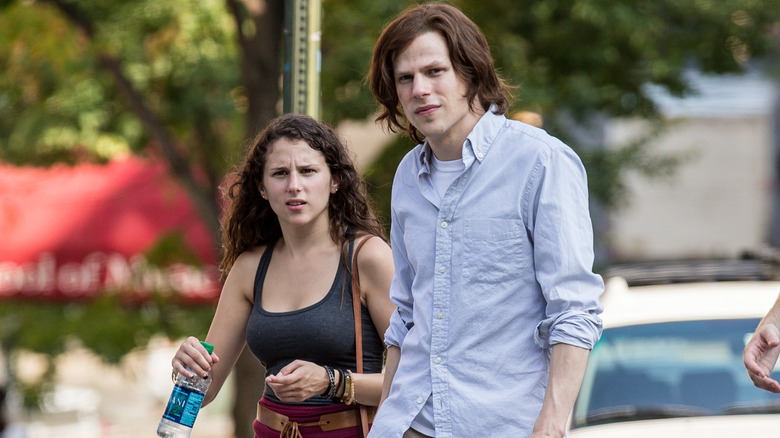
point(450, 147)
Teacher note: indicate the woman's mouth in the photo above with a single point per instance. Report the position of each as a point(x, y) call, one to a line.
point(295, 204)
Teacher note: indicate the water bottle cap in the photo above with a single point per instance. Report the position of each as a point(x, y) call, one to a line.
point(209, 347)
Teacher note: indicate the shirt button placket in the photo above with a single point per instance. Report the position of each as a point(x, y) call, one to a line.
point(440, 303)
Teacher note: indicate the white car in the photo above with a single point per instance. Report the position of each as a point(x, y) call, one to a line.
point(669, 363)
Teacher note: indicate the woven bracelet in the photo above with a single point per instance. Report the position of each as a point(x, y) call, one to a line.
point(331, 383)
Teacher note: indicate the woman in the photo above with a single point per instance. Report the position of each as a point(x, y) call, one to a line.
point(298, 210)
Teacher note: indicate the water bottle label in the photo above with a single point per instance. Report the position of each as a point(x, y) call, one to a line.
point(183, 406)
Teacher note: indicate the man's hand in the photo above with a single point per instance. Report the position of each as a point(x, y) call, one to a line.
point(760, 356)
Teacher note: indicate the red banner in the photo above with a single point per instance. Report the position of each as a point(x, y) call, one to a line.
point(78, 232)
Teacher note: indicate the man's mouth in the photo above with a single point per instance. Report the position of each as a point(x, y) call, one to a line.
point(425, 110)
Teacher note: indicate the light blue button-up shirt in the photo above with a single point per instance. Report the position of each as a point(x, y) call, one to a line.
point(487, 278)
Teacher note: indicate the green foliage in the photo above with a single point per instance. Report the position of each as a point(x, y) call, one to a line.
point(379, 176)
point(583, 56)
point(169, 249)
point(44, 84)
point(54, 97)
point(109, 326)
point(349, 30)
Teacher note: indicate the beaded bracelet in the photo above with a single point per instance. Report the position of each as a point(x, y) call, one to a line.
point(331, 383)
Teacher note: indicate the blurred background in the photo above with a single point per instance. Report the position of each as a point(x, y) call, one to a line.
point(120, 119)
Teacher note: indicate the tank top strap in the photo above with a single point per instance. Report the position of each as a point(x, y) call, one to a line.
point(262, 269)
point(350, 248)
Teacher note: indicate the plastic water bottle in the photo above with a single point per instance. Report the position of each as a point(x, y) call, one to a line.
point(184, 404)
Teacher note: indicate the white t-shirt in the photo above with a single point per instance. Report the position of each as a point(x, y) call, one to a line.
point(443, 173)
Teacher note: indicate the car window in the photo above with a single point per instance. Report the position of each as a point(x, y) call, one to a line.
point(672, 369)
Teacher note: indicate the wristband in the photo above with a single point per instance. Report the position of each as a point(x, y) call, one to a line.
point(331, 391)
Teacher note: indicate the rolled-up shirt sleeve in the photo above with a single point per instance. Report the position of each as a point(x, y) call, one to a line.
point(563, 252)
point(574, 328)
point(400, 290)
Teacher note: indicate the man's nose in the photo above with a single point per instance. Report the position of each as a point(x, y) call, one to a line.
point(421, 86)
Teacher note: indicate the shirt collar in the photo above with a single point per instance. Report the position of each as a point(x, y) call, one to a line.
point(484, 133)
point(477, 142)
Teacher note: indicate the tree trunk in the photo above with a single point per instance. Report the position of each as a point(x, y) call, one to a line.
point(249, 385)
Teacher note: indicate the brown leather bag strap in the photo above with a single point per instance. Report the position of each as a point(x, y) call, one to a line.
point(358, 326)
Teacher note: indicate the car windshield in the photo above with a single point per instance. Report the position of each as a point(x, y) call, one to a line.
point(672, 369)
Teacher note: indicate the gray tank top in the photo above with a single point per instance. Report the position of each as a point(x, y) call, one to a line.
point(323, 333)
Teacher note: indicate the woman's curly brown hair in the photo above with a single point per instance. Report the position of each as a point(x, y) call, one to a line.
point(249, 220)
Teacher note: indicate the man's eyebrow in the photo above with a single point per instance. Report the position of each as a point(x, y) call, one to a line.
point(437, 63)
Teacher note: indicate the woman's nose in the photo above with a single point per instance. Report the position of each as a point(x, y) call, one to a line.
point(294, 182)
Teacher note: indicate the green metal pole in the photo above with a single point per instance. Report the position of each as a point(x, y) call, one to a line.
point(302, 57)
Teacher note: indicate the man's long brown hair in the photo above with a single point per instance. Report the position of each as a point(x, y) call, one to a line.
point(249, 220)
point(469, 54)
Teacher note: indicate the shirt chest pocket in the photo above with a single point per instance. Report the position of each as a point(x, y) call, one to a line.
point(493, 250)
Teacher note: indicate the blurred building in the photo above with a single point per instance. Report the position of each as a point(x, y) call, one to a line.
point(723, 198)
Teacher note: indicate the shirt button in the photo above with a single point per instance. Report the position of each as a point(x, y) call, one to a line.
point(437, 360)
point(440, 315)
point(419, 400)
point(444, 224)
point(480, 154)
point(442, 269)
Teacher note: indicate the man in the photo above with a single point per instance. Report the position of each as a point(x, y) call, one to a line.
point(761, 352)
point(492, 243)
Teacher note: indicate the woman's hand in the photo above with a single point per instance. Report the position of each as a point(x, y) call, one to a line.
point(299, 381)
point(192, 358)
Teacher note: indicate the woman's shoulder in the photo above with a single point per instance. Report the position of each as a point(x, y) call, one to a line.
point(374, 250)
point(241, 277)
point(248, 260)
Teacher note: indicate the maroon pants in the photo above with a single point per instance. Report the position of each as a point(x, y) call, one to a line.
point(306, 414)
